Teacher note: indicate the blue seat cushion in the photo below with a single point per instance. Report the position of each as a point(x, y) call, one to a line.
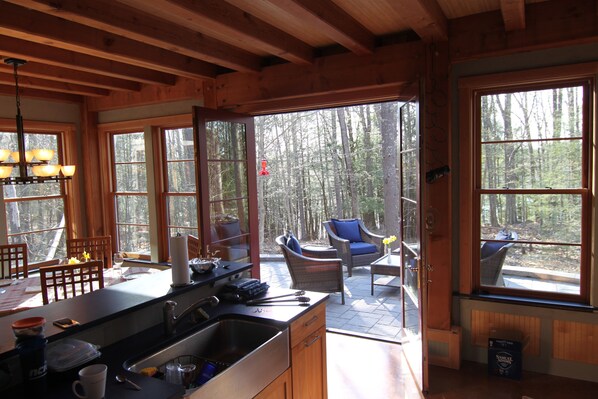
point(347, 229)
point(362, 248)
point(293, 244)
point(490, 248)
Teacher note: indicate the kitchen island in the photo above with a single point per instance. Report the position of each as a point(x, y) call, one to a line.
point(129, 303)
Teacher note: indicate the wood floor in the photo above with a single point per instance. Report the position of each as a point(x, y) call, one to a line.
point(360, 368)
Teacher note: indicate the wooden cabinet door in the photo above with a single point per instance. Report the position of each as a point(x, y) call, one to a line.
point(309, 367)
point(280, 388)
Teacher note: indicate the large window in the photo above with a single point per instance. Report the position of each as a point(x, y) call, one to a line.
point(531, 192)
point(181, 192)
point(130, 192)
point(35, 213)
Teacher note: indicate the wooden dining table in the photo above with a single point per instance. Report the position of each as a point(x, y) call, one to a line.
point(25, 293)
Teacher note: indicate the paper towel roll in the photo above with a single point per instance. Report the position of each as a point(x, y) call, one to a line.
point(179, 258)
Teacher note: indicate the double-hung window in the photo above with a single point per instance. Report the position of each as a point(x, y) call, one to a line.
point(529, 164)
point(129, 182)
point(36, 213)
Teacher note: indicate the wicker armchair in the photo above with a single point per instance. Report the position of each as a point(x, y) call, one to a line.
point(346, 249)
point(493, 254)
point(320, 275)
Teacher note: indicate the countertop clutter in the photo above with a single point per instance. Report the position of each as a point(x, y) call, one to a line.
point(114, 355)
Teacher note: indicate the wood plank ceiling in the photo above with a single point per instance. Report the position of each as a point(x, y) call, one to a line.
point(78, 48)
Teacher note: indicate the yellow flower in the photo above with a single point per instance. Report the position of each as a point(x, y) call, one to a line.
point(73, 261)
point(86, 256)
point(388, 240)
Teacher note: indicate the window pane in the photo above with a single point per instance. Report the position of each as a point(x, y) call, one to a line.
point(409, 165)
point(182, 211)
point(133, 238)
point(44, 245)
point(409, 224)
point(179, 144)
point(131, 177)
point(226, 140)
point(532, 115)
point(230, 230)
point(549, 268)
point(181, 177)
point(132, 209)
point(409, 126)
point(537, 164)
point(31, 190)
point(542, 217)
point(129, 147)
point(227, 180)
point(27, 216)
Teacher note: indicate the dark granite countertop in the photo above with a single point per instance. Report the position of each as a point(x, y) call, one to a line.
point(133, 295)
point(100, 306)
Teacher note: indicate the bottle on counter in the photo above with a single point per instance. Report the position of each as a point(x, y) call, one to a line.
point(31, 346)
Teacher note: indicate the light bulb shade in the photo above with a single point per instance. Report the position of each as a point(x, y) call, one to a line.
point(68, 170)
point(43, 154)
point(28, 156)
point(37, 170)
point(49, 170)
point(4, 154)
point(5, 171)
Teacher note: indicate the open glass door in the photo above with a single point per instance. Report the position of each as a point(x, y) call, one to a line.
point(412, 288)
point(225, 144)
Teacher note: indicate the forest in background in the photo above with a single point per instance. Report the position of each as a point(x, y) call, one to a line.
point(330, 163)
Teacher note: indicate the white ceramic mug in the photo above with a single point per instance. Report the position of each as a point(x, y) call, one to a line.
point(93, 381)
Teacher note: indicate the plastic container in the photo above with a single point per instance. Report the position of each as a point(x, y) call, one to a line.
point(70, 353)
point(29, 327)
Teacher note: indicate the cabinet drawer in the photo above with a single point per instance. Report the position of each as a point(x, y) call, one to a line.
point(307, 324)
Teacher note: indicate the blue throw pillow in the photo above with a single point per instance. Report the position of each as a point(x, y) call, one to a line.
point(347, 229)
point(293, 244)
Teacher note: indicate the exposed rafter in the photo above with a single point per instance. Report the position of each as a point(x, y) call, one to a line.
point(123, 20)
point(233, 23)
point(331, 20)
point(40, 28)
point(51, 85)
point(425, 17)
point(513, 13)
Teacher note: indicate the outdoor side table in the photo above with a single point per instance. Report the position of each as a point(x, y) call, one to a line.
point(388, 265)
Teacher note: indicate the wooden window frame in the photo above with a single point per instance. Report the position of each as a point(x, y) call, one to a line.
point(470, 91)
point(155, 161)
point(67, 148)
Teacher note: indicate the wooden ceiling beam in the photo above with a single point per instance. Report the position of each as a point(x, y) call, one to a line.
point(425, 17)
point(13, 47)
point(72, 76)
point(41, 94)
point(513, 14)
point(44, 29)
point(388, 66)
point(51, 85)
point(231, 22)
point(123, 20)
point(331, 20)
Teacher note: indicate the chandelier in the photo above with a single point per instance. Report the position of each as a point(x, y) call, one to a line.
point(36, 159)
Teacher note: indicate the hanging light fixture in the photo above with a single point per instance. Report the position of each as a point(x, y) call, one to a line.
point(36, 159)
point(264, 172)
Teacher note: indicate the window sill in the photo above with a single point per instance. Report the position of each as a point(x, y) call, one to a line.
point(545, 303)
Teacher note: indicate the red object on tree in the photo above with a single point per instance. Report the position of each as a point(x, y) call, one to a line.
point(264, 172)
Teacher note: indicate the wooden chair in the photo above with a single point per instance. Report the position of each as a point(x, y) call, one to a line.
point(355, 253)
point(100, 248)
point(320, 275)
point(193, 246)
point(13, 258)
point(68, 281)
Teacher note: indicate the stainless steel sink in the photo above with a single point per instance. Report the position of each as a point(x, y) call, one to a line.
point(254, 354)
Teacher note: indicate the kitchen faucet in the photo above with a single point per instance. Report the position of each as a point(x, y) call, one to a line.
point(171, 321)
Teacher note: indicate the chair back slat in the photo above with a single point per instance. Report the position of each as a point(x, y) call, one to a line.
point(13, 258)
point(70, 280)
point(100, 248)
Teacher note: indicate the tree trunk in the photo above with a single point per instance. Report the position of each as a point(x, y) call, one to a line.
point(388, 131)
point(353, 194)
point(369, 216)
